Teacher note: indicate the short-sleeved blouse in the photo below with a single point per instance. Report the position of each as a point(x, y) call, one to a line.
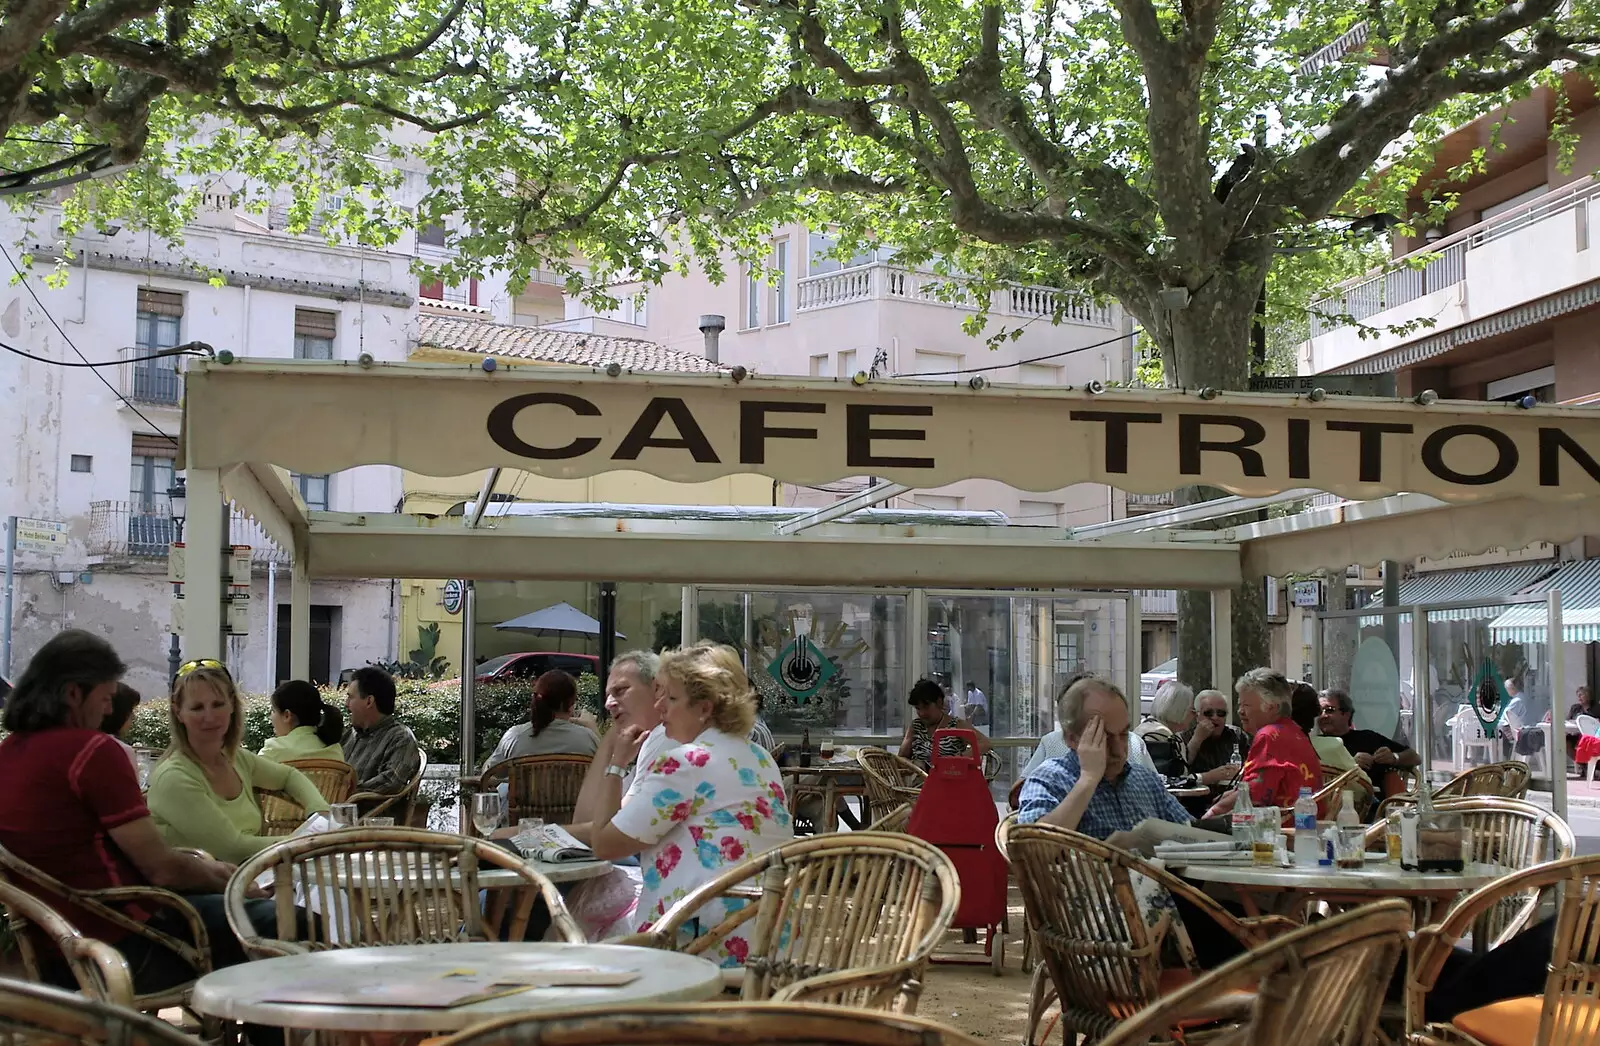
point(702, 807)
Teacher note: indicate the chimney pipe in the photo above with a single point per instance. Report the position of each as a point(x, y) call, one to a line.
point(712, 326)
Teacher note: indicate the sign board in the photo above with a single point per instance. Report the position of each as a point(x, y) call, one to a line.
point(239, 567)
point(175, 562)
point(1307, 594)
point(802, 669)
point(570, 423)
point(43, 536)
point(238, 610)
point(1495, 556)
point(1332, 384)
point(454, 596)
point(177, 615)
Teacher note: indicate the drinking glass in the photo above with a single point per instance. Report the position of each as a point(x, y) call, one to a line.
point(488, 810)
point(379, 822)
point(529, 824)
point(343, 815)
point(1350, 849)
point(1267, 839)
point(145, 764)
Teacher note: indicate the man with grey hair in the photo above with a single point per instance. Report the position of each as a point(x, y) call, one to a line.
point(635, 738)
point(1281, 760)
point(1094, 788)
point(1053, 745)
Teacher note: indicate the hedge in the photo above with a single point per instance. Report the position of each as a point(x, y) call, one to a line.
point(431, 710)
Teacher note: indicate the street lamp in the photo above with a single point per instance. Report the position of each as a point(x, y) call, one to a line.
point(177, 499)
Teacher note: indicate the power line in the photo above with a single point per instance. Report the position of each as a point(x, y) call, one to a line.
point(1018, 363)
point(188, 349)
point(21, 276)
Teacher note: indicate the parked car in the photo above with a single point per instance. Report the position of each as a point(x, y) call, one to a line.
point(533, 664)
point(1151, 681)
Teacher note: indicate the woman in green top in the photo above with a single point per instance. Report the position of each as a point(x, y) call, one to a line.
point(202, 793)
point(307, 727)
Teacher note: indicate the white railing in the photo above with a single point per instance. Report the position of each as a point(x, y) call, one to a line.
point(877, 281)
point(1158, 602)
point(151, 381)
point(125, 530)
point(1444, 263)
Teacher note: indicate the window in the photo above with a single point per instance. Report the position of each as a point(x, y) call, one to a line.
point(313, 491)
point(1039, 513)
point(1039, 374)
point(752, 301)
point(847, 363)
point(1541, 384)
point(818, 245)
point(150, 528)
point(1495, 210)
point(158, 326)
point(780, 290)
point(83, 463)
point(940, 502)
point(314, 332)
point(431, 236)
point(939, 363)
point(822, 366)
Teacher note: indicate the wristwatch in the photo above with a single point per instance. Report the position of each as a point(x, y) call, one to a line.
point(616, 771)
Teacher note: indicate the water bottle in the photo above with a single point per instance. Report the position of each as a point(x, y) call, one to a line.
point(1307, 846)
point(1243, 819)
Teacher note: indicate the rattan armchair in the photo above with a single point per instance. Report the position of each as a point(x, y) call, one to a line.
point(42, 937)
point(34, 1013)
point(849, 919)
point(895, 820)
point(542, 786)
point(1102, 958)
point(1328, 798)
point(1567, 1013)
point(108, 904)
point(714, 1024)
point(890, 780)
point(1321, 985)
point(378, 886)
point(281, 815)
point(1507, 780)
point(400, 805)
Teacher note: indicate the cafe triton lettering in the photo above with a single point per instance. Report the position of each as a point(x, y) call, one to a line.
point(668, 423)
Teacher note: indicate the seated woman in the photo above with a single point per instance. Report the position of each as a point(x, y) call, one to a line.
point(123, 702)
point(711, 799)
point(1173, 710)
point(305, 726)
point(1304, 707)
point(202, 792)
point(931, 713)
point(551, 728)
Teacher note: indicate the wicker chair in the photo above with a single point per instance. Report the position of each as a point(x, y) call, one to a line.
point(1512, 834)
point(895, 820)
point(1321, 985)
point(1508, 780)
point(714, 1024)
point(542, 786)
point(849, 919)
point(36, 1014)
point(1328, 798)
point(377, 886)
point(105, 905)
point(281, 815)
point(1102, 958)
point(43, 937)
point(1041, 992)
point(1566, 1014)
point(400, 805)
point(890, 780)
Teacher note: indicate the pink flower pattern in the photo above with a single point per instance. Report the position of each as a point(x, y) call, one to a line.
point(667, 765)
point(697, 755)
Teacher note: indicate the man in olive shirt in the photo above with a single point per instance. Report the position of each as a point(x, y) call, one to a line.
point(1215, 750)
point(377, 745)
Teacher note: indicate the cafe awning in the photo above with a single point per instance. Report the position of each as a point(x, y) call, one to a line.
point(1579, 585)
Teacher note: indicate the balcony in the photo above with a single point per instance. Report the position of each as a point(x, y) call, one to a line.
point(881, 281)
point(1524, 255)
point(1157, 603)
point(126, 531)
point(157, 382)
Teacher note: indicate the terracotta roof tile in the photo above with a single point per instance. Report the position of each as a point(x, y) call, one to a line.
point(551, 346)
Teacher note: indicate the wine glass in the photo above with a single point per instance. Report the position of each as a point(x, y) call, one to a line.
point(488, 810)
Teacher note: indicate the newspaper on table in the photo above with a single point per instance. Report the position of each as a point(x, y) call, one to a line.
point(1168, 839)
point(314, 900)
point(551, 844)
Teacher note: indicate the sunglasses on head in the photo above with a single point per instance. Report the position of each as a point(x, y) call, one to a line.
point(1215, 713)
point(204, 662)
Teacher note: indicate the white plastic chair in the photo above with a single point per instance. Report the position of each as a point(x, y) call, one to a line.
point(1467, 733)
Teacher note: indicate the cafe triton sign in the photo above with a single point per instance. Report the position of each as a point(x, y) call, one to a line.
point(570, 423)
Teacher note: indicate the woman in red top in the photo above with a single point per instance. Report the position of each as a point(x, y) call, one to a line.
point(1281, 760)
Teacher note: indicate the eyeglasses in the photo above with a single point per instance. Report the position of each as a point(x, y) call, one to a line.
point(204, 662)
point(1215, 713)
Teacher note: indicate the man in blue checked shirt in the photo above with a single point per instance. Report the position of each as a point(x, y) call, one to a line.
point(1094, 789)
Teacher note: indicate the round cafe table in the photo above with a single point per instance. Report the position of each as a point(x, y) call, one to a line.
point(248, 992)
point(831, 781)
point(1377, 879)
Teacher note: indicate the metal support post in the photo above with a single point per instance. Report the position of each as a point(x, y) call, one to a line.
point(1421, 693)
point(469, 675)
point(608, 624)
point(1555, 755)
point(1134, 656)
point(300, 619)
point(689, 625)
point(11, 582)
point(204, 612)
point(272, 625)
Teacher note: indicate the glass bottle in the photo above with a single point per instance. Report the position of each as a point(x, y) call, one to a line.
point(1242, 820)
point(1439, 836)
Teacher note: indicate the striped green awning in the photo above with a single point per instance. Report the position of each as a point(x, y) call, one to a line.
point(1452, 586)
point(1579, 584)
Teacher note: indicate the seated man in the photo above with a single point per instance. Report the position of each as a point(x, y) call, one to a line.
point(77, 814)
point(1214, 749)
point(1281, 760)
point(378, 746)
point(1374, 753)
point(1094, 788)
point(1053, 745)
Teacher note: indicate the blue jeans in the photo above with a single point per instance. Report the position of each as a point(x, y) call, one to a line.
point(156, 968)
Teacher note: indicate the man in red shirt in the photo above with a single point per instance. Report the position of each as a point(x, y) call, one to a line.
point(75, 812)
point(1281, 760)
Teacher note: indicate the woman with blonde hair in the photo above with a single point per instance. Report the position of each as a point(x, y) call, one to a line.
point(711, 798)
point(203, 791)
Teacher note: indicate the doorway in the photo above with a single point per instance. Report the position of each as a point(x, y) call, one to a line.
point(322, 621)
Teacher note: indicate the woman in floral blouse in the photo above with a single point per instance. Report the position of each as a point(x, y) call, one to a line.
point(709, 800)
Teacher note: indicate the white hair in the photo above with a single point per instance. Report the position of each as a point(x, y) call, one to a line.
point(1272, 686)
point(644, 662)
point(1172, 703)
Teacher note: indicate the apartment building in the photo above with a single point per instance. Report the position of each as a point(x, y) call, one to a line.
point(1509, 287)
point(96, 448)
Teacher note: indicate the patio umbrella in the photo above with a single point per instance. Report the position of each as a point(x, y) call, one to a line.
point(560, 620)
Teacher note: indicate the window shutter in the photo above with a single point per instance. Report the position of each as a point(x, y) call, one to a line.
point(162, 303)
point(153, 446)
point(313, 323)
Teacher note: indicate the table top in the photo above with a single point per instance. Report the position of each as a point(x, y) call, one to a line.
point(837, 768)
point(239, 992)
point(1378, 876)
point(1189, 793)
